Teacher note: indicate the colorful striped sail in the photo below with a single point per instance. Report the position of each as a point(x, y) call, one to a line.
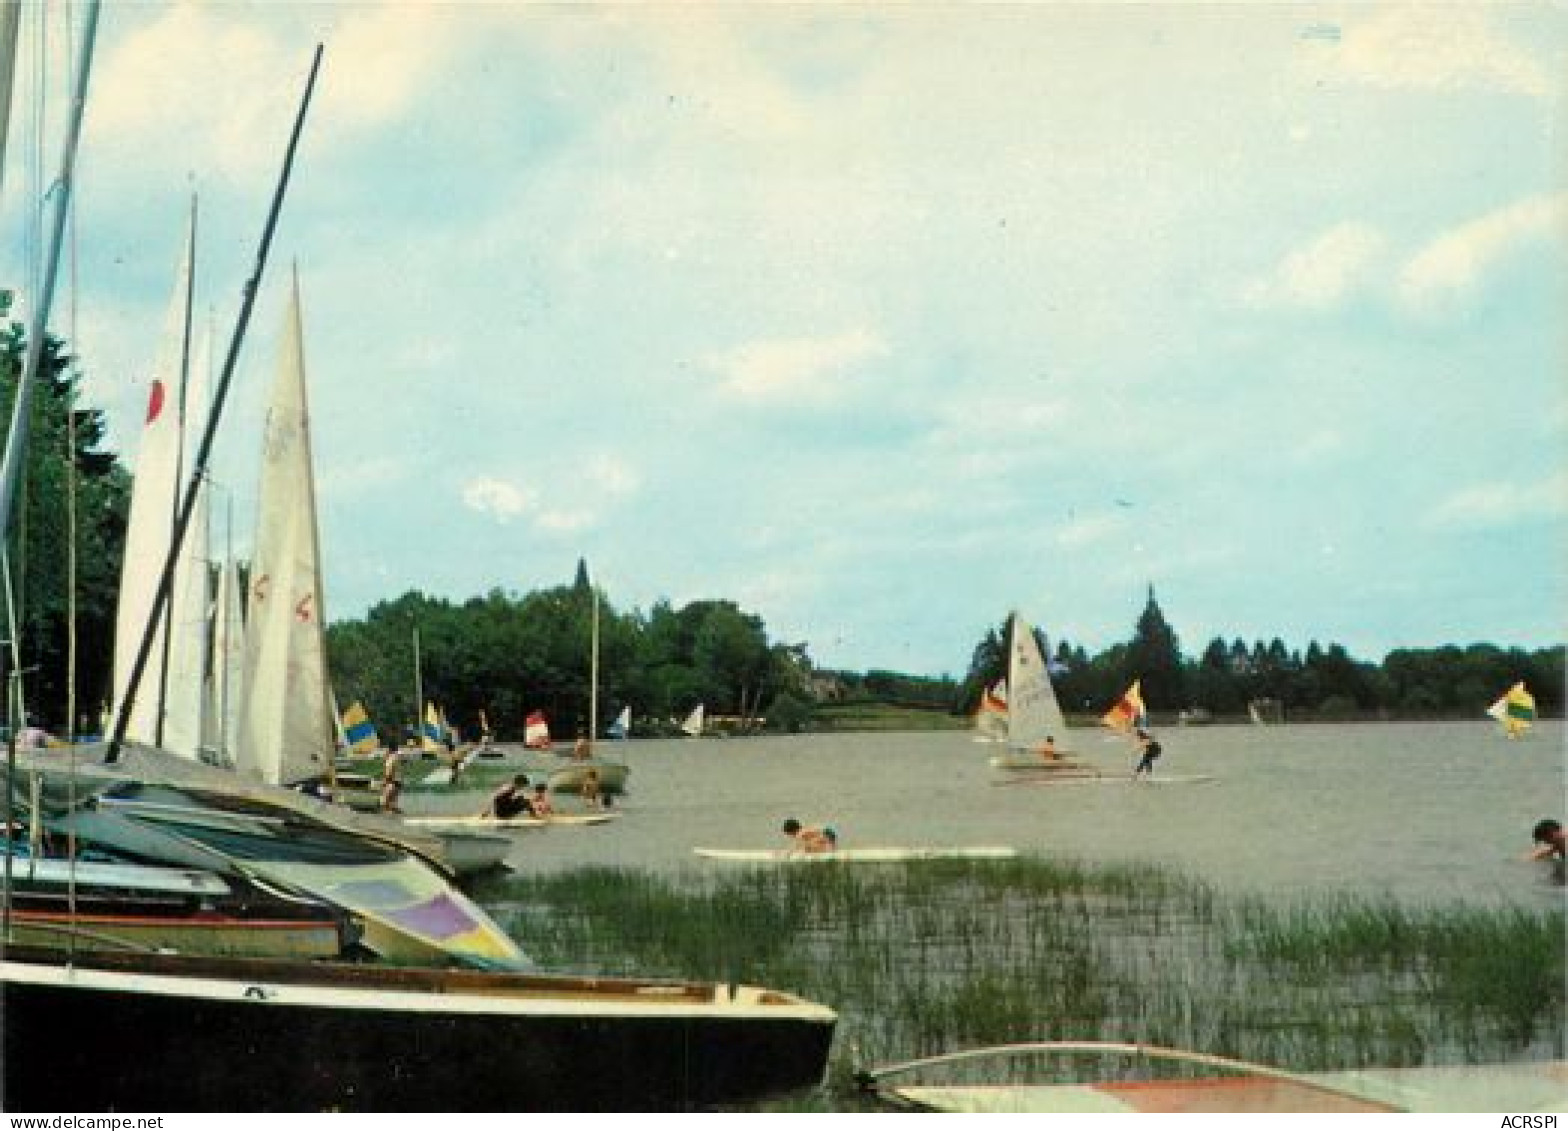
point(991, 718)
point(1515, 709)
point(1129, 711)
point(536, 736)
point(359, 730)
point(432, 735)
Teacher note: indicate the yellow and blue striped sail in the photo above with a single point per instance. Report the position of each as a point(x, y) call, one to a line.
point(359, 730)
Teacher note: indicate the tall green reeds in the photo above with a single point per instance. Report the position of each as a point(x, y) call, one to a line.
point(937, 956)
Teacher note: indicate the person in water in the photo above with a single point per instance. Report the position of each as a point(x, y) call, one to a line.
point(510, 801)
point(1151, 754)
point(1548, 839)
point(541, 802)
point(808, 839)
point(592, 793)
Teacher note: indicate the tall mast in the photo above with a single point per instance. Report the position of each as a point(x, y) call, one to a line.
point(593, 673)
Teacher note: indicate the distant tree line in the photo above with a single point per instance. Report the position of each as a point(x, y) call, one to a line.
point(496, 659)
point(508, 654)
point(1323, 682)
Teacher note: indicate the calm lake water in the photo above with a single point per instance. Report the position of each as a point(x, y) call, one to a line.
point(1429, 813)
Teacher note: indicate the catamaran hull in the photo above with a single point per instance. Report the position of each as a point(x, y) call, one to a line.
point(95, 1040)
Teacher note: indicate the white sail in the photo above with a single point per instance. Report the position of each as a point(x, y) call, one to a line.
point(693, 724)
point(150, 528)
point(1033, 713)
point(189, 618)
point(228, 667)
point(622, 726)
point(286, 722)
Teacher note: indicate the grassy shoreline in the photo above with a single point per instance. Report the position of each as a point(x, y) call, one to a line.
point(930, 958)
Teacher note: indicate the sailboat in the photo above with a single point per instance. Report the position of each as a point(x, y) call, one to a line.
point(991, 715)
point(1127, 713)
point(1037, 737)
point(1515, 710)
point(167, 711)
point(610, 776)
point(621, 728)
point(692, 726)
point(536, 732)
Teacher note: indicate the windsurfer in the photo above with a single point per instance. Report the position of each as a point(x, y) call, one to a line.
point(809, 839)
point(1151, 753)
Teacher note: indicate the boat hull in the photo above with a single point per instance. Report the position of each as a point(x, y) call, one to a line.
point(363, 1039)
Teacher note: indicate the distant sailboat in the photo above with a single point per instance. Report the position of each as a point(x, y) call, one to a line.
point(1035, 722)
point(991, 716)
point(1128, 713)
point(536, 734)
point(692, 727)
point(1515, 710)
point(621, 728)
point(359, 733)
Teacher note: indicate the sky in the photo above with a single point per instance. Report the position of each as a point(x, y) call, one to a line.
point(879, 320)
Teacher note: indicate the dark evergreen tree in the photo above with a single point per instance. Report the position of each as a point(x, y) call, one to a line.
point(1154, 656)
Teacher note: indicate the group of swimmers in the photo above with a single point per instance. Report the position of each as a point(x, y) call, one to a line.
point(516, 798)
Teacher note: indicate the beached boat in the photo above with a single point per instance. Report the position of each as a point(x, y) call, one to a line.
point(1034, 718)
point(97, 904)
point(1084, 1077)
point(275, 1036)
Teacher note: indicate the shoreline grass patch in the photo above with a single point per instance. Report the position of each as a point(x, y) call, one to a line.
point(931, 957)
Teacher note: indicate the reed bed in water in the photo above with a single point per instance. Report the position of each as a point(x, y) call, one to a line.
point(937, 956)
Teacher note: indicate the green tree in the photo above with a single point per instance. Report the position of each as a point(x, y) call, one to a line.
point(1154, 656)
point(70, 488)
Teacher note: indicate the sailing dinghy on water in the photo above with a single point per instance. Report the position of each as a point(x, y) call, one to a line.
point(1515, 710)
point(692, 726)
point(1034, 717)
point(589, 774)
point(536, 732)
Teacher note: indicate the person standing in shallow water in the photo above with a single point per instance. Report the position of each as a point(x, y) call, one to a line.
point(1151, 754)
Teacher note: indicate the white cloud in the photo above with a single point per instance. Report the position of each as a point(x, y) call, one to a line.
point(495, 497)
point(1091, 530)
point(1456, 264)
point(1439, 47)
point(1489, 505)
point(1323, 273)
point(801, 371)
point(611, 474)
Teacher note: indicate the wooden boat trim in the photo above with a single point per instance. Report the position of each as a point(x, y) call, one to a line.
point(279, 982)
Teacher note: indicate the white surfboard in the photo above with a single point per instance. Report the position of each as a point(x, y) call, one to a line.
point(554, 820)
point(1113, 779)
point(888, 855)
